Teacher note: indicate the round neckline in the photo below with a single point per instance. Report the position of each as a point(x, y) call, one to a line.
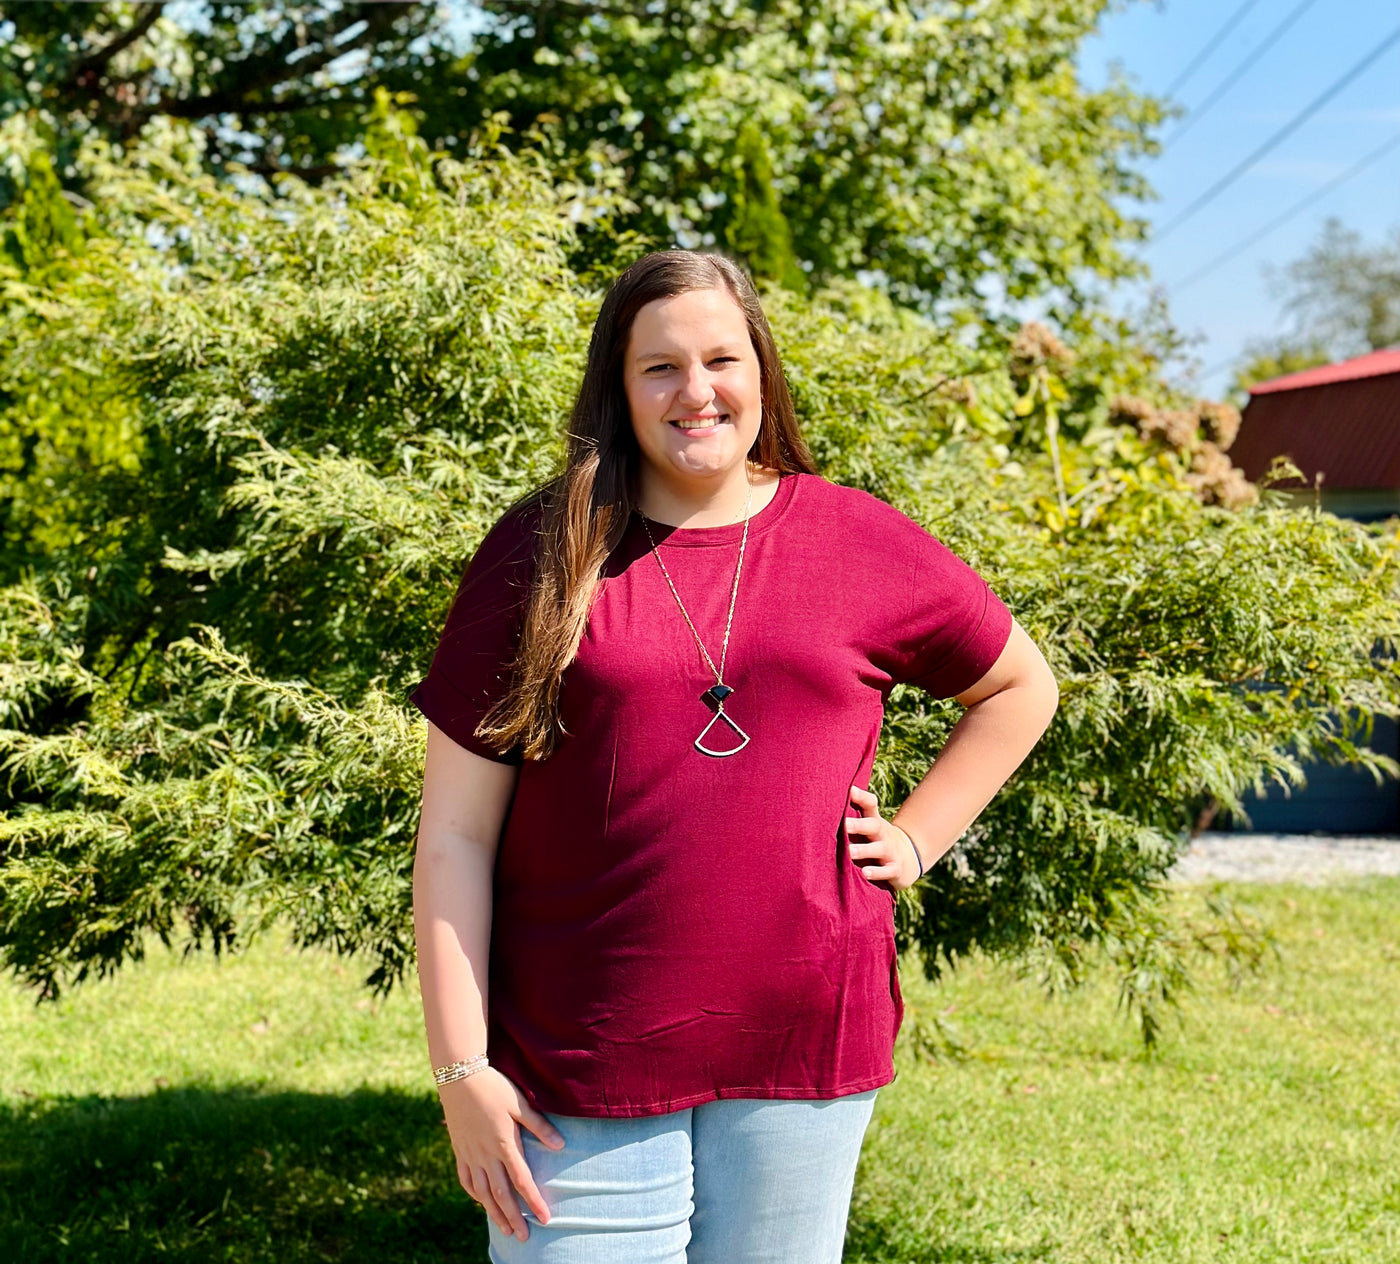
point(730, 532)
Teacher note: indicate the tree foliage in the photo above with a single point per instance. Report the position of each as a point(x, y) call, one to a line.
point(948, 150)
point(945, 148)
point(1344, 293)
point(1268, 358)
point(1341, 298)
point(269, 85)
point(335, 391)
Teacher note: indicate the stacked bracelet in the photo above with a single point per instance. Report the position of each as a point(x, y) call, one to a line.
point(461, 1069)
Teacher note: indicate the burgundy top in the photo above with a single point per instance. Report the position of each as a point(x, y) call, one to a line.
point(671, 928)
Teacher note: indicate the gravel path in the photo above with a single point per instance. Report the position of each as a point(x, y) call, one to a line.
point(1310, 859)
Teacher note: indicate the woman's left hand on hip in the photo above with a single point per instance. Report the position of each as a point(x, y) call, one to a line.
point(884, 851)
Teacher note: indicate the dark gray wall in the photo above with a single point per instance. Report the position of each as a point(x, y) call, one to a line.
point(1336, 800)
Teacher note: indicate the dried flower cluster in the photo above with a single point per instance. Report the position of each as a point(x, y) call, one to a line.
point(1219, 422)
point(1203, 433)
point(1180, 427)
point(1217, 480)
point(1129, 410)
point(1033, 346)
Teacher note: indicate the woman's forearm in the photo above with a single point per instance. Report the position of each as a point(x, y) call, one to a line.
point(452, 926)
point(985, 747)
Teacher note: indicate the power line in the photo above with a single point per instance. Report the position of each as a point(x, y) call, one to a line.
point(1230, 80)
point(1282, 134)
point(1297, 209)
point(1235, 19)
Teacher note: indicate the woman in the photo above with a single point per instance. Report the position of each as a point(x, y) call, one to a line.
point(650, 881)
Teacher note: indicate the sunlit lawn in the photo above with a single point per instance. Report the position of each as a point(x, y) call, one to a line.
point(262, 1108)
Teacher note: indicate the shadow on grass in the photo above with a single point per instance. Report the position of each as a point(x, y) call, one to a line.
point(883, 1242)
point(191, 1174)
point(197, 1175)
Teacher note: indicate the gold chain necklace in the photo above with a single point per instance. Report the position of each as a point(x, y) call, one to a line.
point(714, 696)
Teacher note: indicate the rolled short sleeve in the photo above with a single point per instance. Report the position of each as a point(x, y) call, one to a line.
point(953, 627)
point(475, 656)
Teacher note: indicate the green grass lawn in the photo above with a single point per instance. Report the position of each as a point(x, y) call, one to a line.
point(262, 1108)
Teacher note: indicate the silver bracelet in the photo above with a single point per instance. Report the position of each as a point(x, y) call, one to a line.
point(460, 1069)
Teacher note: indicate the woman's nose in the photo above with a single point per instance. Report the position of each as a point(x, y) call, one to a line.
point(696, 390)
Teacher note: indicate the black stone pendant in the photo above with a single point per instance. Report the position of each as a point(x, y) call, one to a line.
point(714, 698)
point(714, 695)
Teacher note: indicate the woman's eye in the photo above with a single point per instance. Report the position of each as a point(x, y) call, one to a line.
point(716, 360)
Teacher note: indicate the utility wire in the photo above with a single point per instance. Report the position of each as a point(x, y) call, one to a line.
point(1230, 80)
point(1297, 209)
point(1282, 134)
point(1219, 37)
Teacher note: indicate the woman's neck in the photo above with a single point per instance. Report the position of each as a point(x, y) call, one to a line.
point(717, 506)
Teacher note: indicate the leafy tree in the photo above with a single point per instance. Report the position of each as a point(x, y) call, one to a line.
point(1340, 299)
point(271, 85)
point(1343, 294)
point(1266, 359)
point(55, 428)
point(942, 148)
point(203, 715)
point(949, 151)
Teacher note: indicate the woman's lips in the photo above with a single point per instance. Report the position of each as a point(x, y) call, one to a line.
point(701, 431)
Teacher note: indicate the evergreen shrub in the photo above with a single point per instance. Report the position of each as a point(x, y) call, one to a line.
point(294, 417)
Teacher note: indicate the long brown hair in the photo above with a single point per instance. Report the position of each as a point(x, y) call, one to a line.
point(586, 507)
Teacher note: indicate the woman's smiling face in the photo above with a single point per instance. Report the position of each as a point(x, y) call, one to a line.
point(689, 358)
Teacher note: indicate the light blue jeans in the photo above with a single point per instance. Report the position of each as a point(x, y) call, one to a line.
point(738, 1181)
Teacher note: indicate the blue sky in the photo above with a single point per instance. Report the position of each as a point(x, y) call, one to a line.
point(1155, 42)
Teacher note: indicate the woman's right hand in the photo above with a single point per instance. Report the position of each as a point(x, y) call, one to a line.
point(484, 1114)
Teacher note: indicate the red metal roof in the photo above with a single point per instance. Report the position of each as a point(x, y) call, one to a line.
point(1373, 364)
point(1346, 428)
